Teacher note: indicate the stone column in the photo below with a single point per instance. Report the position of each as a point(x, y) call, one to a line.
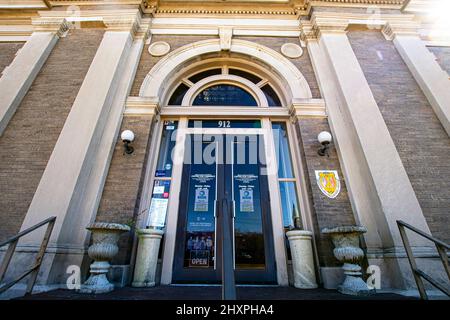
point(433, 81)
point(71, 185)
point(20, 74)
point(302, 259)
point(378, 185)
point(147, 257)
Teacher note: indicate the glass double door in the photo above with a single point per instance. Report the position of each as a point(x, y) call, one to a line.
point(224, 174)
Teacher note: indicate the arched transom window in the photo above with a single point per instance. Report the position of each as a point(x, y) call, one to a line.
point(224, 86)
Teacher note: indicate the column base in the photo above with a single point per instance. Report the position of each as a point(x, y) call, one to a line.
point(355, 286)
point(143, 284)
point(97, 284)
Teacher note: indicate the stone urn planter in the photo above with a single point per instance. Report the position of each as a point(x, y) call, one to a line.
point(104, 247)
point(147, 257)
point(347, 250)
point(302, 259)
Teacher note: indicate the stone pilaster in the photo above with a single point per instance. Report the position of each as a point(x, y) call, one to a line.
point(72, 183)
point(379, 188)
point(422, 63)
point(19, 76)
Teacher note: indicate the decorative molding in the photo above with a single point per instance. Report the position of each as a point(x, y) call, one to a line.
point(123, 22)
point(141, 106)
point(291, 50)
point(15, 30)
point(392, 29)
point(159, 48)
point(307, 108)
point(25, 4)
point(225, 35)
point(236, 112)
point(59, 25)
point(268, 8)
point(338, 22)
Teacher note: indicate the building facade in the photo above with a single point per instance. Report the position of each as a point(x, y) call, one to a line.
point(224, 78)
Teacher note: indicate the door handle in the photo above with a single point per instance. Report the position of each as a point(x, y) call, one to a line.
point(216, 211)
point(224, 206)
point(232, 210)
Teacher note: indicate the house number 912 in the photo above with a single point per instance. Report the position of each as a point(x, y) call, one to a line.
point(224, 124)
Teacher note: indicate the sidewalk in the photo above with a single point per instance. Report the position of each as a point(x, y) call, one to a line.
point(210, 293)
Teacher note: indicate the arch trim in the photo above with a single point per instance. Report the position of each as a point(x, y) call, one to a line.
point(156, 80)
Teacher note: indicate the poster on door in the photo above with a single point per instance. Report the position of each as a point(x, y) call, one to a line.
point(200, 248)
point(159, 203)
point(246, 199)
point(201, 199)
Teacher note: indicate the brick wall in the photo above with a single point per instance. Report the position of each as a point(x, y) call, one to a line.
point(422, 143)
point(303, 63)
point(28, 140)
point(121, 194)
point(442, 57)
point(326, 212)
point(148, 61)
point(8, 52)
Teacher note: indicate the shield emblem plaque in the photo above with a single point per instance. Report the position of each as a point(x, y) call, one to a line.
point(328, 182)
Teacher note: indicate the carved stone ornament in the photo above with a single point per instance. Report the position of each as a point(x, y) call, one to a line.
point(225, 34)
point(291, 50)
point(103, 249)
point(159, 48)
point(347, 251)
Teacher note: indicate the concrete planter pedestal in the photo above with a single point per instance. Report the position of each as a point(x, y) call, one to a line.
point(103, 249)
point(147, 257)
point(347, 250)
point(302, 259)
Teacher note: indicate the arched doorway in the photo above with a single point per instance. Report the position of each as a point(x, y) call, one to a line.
point(220, 103)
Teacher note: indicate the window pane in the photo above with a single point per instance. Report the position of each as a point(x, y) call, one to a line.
point(244, 74)
point(178, 95)
point(164, 166)
point(282, 150)
point(289, 204)
point(207, 73)
point(224, 95)
point(271, 95)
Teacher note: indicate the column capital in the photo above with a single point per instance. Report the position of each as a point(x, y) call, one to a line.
point(328, 24)
point(307, 108)
point(142, 106)
point(405, 28)
point(306, 31)
point(58, 25)
point(123, 22)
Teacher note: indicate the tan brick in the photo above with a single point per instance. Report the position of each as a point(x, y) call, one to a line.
point(422, 143)
point(29, 138)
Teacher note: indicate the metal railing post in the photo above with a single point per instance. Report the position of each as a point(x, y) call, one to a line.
point(412, 263)
point(34, 271)
point(40, 257)
point(417, 273)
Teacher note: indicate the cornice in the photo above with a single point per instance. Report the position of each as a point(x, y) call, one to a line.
point(58, 25)
point(391, 29)
point(113, 20)
point(338, 22)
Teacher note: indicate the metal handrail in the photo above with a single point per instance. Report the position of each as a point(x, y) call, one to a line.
point(441, 247)
point(12, 247)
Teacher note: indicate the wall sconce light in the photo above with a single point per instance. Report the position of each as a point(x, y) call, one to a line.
point(325, 139)
point(127, 137)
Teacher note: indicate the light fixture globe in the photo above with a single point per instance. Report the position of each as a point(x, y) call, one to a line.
point(127, 135)
point(324, 137)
